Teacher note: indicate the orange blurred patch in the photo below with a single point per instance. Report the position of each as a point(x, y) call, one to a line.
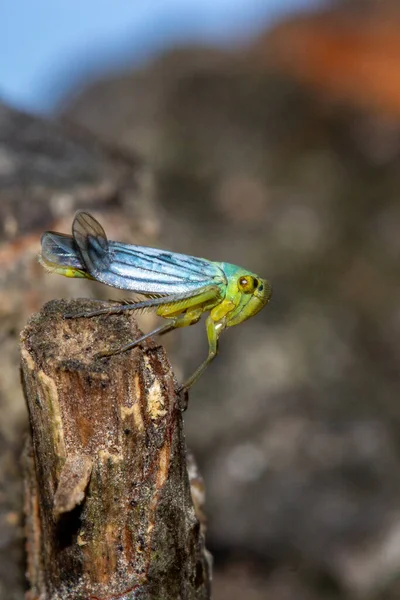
point(353, 58)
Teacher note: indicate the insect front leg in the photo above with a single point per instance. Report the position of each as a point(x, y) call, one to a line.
point(213, 332)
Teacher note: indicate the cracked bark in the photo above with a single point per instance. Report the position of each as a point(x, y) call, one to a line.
point(108, 504)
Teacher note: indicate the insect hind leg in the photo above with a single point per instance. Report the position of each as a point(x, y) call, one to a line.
point(108, 310)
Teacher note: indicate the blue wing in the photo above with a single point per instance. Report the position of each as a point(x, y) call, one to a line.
point(61, 250)
point(140, 269)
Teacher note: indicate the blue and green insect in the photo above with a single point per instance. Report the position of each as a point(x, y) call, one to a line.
point(180, 288)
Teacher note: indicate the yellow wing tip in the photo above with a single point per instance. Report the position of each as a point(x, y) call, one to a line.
point(51, 267)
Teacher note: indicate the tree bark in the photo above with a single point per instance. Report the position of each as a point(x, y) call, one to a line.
point(108, 503)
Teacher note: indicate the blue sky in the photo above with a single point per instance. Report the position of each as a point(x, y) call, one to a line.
point(47, 45)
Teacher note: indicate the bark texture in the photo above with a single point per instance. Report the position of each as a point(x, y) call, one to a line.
point(47, 172)
point(108, 503)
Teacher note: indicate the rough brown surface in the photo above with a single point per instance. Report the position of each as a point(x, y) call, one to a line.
point(109, 510)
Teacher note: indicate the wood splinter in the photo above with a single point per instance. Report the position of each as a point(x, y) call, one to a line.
point(108, 504)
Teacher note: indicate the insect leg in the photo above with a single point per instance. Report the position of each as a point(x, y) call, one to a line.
point(213, 332)
point(183, 320)
point(158, 331)
point(109, 310)
point(209, 292)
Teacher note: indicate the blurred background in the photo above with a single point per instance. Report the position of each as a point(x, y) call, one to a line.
point(262, 133)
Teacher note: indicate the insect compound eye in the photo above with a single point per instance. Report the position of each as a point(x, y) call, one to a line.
point(247, 284)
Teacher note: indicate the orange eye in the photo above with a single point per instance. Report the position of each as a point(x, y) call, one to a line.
point(247, 284)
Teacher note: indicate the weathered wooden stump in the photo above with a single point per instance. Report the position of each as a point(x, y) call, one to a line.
point(108, 503)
